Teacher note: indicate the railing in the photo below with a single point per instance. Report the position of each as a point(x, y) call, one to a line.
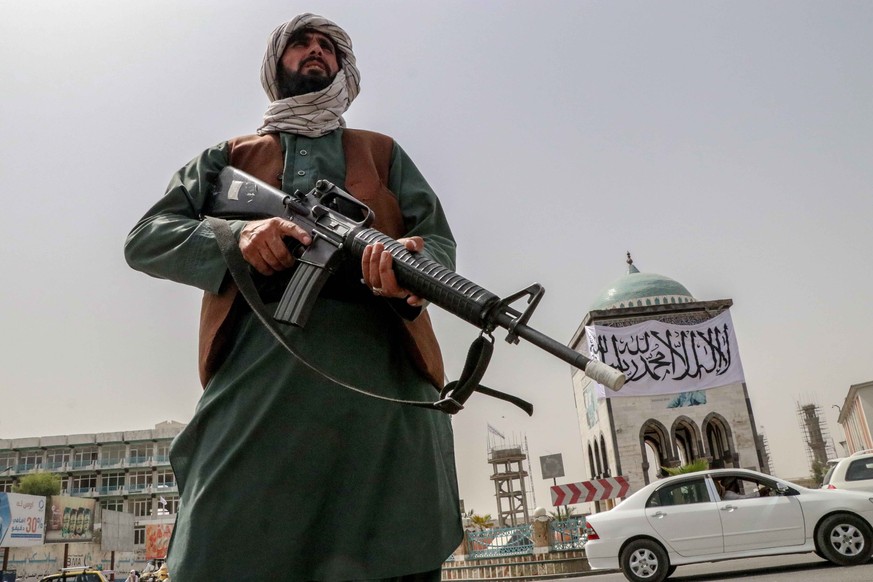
point(138, 461)
point(118, 462)
point(80, 490)
point(568, 534)
point(112, 490)
point(500, 541)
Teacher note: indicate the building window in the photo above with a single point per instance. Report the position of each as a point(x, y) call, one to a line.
point(162, 452)
point(84, 457)
point(113, 504)
point(139, 453)
point(7, 459)
point(82, 483)
point(56, 458)
point(139, 535)
point(139, 480)
point(6, 485)
point(30, 460)
point(165, 478)
point(111, 483)
point(168, 505)
point(111, 455)
point(142, 507)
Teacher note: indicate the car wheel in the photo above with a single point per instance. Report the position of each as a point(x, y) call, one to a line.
point(844, 539)
point(645, 561)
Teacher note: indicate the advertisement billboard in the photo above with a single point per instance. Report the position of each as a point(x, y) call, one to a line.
point(70, 519)
point(22, 520)
point(158, 540)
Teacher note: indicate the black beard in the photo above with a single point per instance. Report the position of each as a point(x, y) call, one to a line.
point(291, 83)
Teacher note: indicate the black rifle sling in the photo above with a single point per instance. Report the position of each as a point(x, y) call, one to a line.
point(477, 358)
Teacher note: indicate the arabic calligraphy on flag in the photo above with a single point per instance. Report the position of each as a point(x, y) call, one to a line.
point(662, 358)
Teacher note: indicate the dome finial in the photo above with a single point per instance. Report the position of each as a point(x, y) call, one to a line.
point(630, 265)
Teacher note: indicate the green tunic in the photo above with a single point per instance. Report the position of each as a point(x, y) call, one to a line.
point(282, 473)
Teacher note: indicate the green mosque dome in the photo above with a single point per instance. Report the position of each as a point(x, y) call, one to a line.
point(637, 289)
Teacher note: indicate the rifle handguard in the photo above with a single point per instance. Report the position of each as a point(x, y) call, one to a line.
point(430, 280)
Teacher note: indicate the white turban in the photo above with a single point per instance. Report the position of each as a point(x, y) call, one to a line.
point(310, 114)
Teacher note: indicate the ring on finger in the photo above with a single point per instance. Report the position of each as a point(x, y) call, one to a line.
point(377, 291)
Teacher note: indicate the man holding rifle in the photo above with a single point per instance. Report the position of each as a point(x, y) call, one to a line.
point(282, 472)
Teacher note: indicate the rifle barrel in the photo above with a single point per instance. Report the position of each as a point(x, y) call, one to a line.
point(597, 371)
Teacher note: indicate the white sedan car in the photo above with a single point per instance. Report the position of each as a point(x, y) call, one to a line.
point(723, 514)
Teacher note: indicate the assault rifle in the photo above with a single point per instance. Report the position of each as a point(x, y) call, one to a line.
point(339, 226)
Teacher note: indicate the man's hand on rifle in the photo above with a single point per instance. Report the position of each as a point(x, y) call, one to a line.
point(262, 244)
point(378, 271)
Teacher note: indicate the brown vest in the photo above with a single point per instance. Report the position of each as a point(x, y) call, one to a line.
point(368, 160)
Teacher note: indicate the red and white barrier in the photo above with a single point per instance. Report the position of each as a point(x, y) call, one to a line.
point(595, 490)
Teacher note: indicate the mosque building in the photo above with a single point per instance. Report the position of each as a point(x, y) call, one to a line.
point(686, 396)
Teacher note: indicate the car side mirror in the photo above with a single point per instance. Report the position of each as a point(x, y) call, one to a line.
point(783, 488)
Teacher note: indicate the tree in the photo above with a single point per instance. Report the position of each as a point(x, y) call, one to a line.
point(818, 472)
point(43, 483)
point(566, 514)
point(479, 522)
point(692, 467)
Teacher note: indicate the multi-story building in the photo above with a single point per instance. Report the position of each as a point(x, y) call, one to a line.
point(856, 417)
point(124, 471)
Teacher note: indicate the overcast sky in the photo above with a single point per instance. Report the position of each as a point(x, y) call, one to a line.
point(727, 145)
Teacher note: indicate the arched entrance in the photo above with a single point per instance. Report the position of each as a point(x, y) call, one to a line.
point(686, 438)
point(656, 448)
point(719, 442)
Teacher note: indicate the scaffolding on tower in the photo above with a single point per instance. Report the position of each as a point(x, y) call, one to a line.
point(511, 480)
point(819, 446)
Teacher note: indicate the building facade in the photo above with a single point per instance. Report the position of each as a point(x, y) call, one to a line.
point(636, 436)
point(855, 416)
point(123, 471)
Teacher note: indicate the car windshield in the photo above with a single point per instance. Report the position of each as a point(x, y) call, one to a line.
point(828, 475)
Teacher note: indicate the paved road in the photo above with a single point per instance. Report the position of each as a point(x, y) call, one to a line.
point(793, 568)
